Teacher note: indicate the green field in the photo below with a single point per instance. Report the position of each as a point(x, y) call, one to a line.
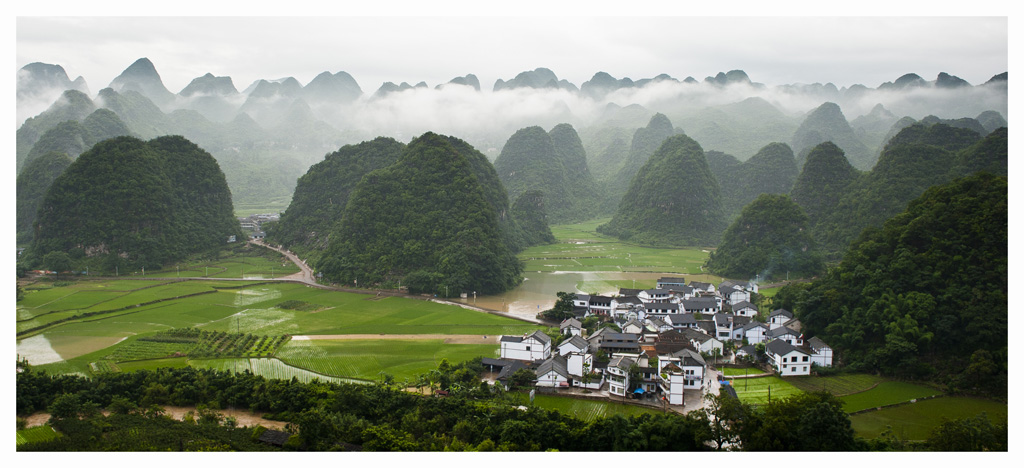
point(580, 248)
point(838, 385)
point(732, 371)
point(915, 421)
point(253, 262)
point(108, 341)
point(367, 359)
point(757, 391)
point(886, 393)
point(36, 434)
point(586, 410)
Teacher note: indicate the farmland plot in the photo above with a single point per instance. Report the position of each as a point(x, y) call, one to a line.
point(367, 359)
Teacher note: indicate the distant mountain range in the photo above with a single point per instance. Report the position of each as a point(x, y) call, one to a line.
point(270, 132)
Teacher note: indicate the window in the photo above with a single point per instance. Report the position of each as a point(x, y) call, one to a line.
point(805, 358)
point(527, 348)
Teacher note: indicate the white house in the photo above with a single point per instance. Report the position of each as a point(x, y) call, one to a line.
point(653, 295)
point(618, 375)
point(553, 373)
point(575, 344)
point(755, 332)
point(581, 300)
point(571, 326)
point(744, 309)
point(786, 334)
point(788, 359)
point(579, 365)
point(703, 342)
point(779, 317)
point(671, 383)
point(703, 287)
point(694, 368)
point(702, 305)
point(670, 283)
point(733, 294)
point(821, 353)
point(633, 326)
point(601, 305)
point(530, 347)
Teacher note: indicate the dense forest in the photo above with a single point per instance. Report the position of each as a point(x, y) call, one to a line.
point(917, 158)
point(771, 170)
point(475, 416)
point(530, 214)
point(32, 184)
point(823, 180)
point(645, 142)
point(770, 241)
point(424, 221)
point(673, 200)
point(925, 295)
point(127, 203)
point(321, 194)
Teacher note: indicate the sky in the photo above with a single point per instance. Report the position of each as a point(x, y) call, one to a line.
point(374, 49)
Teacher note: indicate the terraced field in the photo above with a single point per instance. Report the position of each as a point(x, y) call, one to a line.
point(915, 421)
point(36, 434)
point(886, 393)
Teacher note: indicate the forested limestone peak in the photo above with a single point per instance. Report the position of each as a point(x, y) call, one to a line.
point(673, 200)
point(424, 221)
point(769, 240)
point(129, 203)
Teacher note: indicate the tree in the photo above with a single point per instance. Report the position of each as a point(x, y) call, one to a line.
point(522, 378)
point(58, 261)
point(969, 434)
point(721, 413)
point(562, 308)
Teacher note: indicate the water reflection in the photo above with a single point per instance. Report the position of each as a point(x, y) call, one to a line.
point(537, 292)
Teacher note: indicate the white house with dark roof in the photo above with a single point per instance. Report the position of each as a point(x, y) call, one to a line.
point(779, 317)
point(670, 283)
point(532, 347)
point(553, 373)
point(601, 305)
point(701, 305)
point(579, 365)
point(653, 295)
point(821, 353)
point(618, 374)
point(581, 300)
point(786, 334)
point(571, 326)
point(661, 308)
point(744, 309)
point(633, 326)
point(701, 341)
point(575, 344)
point(703, 287)
point(620, 343)
point(754, 332)
point(733, 294)
point(788, 359)
point(659, 324)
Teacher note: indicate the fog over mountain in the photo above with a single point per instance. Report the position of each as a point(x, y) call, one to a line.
point(274, 129)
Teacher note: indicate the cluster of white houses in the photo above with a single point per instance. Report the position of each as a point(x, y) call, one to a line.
point(665, 330)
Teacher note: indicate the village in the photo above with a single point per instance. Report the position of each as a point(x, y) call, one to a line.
point(670, 340)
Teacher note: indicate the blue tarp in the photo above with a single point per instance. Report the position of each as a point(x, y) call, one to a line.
point(639, 390)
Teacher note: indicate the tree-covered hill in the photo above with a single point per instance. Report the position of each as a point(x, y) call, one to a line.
point(770, 239)
point(130, 203)
point(529, 161)
point(827, 123)
point(322, 193)
point(582, 187)
point(532, 218)
point(32, 184)
point(823, 180)
point(771, 170)
point(919, 157)
point(991, 155)
point(673, 200)
point(72, 105)
point(73, 137)
point(925, 293)
point(424, 221)
point(645, 142)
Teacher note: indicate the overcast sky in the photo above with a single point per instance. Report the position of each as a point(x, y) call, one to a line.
point(772, 50)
